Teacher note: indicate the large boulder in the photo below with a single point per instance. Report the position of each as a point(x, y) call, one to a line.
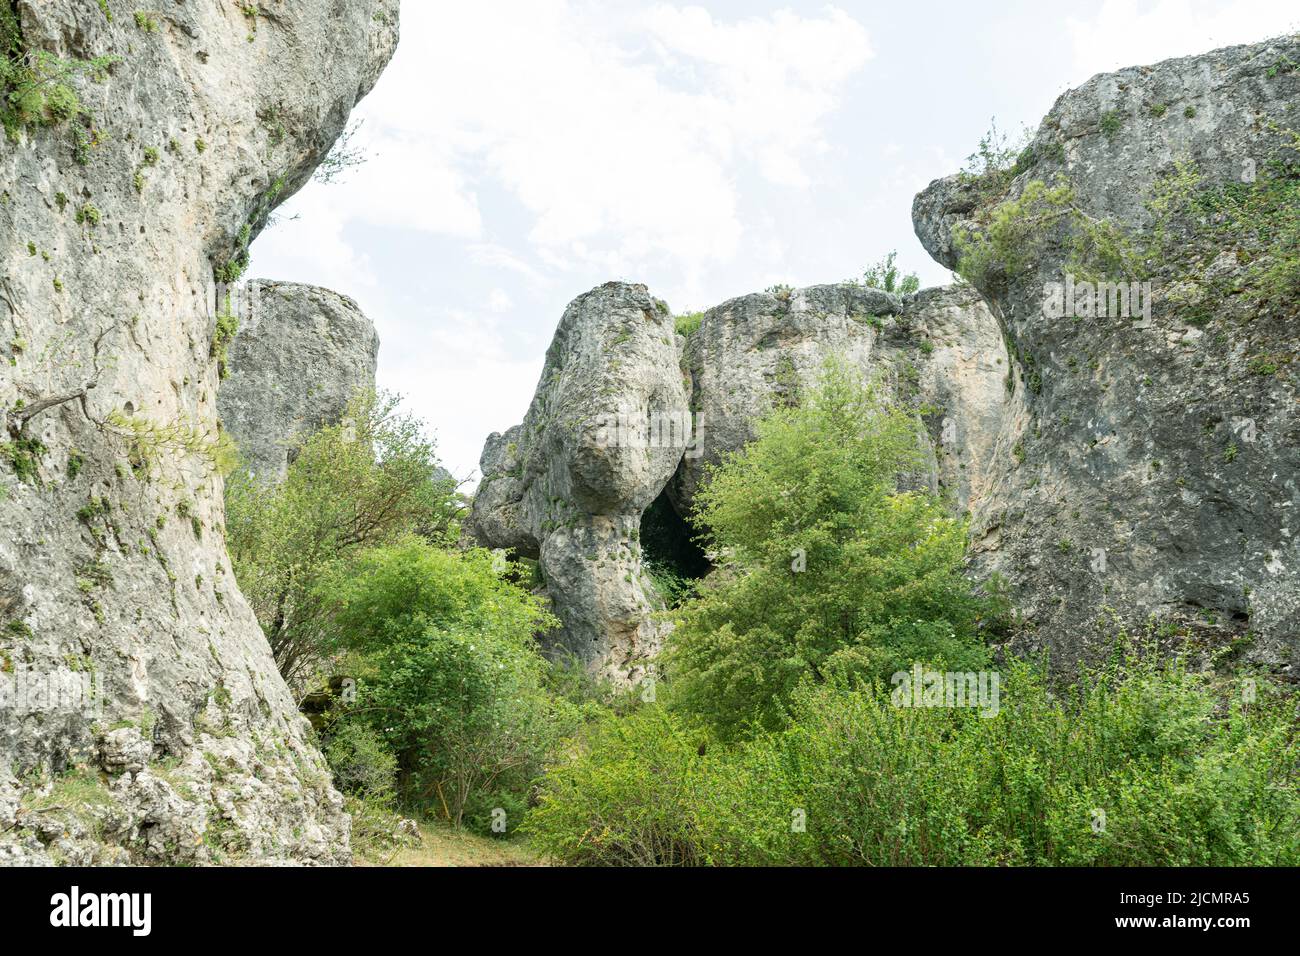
point(1153, 479)
point(118, 608)
point(602, 437)
point(300, 355)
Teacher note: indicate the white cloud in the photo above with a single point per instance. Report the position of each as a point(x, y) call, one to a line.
point(622, 136)
point(1128, 32)
point(446, 364)
point(307, 243)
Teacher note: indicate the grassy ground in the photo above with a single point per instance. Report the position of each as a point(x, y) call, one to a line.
point(443, 846)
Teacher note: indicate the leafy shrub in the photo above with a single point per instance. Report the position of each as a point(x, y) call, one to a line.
point(449, 676)
point(831, 569)
point(624, 795)
point(365, 482)
point(361, 763)
point(688, 323)
point(366, 773)
point(884, 275)
point(1136, 764)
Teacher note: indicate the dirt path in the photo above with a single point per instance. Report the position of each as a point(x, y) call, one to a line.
point(443, 846)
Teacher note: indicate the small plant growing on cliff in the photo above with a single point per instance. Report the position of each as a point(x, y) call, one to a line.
point(145, 22)
point(24, 454)
point(35, 85)
point(886, 277)
point(224, 333)
point(688, 323)
point(344, 155)
point(152, 445)
point(89, 214)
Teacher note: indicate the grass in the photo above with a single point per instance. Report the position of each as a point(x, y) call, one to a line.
point(441, 845)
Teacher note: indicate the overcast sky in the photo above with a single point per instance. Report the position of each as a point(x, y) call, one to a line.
point(524, 151)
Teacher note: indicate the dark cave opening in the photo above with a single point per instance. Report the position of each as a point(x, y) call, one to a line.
point(669, 551)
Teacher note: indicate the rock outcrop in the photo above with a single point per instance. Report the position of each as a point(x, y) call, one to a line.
point(143, 717)
point(1156, 468)
point(627, 411)
point(602, 438)
point(300, 355)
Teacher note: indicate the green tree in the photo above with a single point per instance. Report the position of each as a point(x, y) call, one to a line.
point(449, 675)
point(884, 275)
point(827, 566)
point(364, 482)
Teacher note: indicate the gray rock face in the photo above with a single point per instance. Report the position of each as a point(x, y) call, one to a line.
point(760, 349)
point(137, 684)
point(602, 438)
point(299, 357)
point(625, 407)
point(1155, 468)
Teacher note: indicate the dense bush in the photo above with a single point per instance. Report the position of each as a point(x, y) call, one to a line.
point(829, 570)
point(624, 795)
point(449, 676)
point(365, 771)
point(1184, 773)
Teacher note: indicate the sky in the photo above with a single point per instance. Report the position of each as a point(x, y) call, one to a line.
point(521, 152)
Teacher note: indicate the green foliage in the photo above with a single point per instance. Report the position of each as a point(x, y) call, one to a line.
point(365, 482)
point(829, 568)
point(670, 584)
point(997, 161)
point(88, 214)
point(450, 678)
point(145, 22)
point(1195, 222)
point(24, 457)
point(884, 275)
point(170, 445)
point(222, 335)
point(362, 765)
point(35, 85)
point(1184, 772)
point(1110, 123)
point(1011, 238)
point(688, 323)
point(625, 794)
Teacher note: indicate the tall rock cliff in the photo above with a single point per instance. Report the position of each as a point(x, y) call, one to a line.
point(144, 718)
point(300, 355)
point(628, 414)
point(1156, 466)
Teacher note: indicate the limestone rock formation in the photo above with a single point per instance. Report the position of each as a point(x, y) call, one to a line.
point(602, 437)
point(138, 686)
point(627, 411)
point(300, 355)
point(1156, 468)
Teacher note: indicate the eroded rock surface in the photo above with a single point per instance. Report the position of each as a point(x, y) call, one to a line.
point(176, 739)
point(1156, 470)
point(301, 354)
point(602, 438)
